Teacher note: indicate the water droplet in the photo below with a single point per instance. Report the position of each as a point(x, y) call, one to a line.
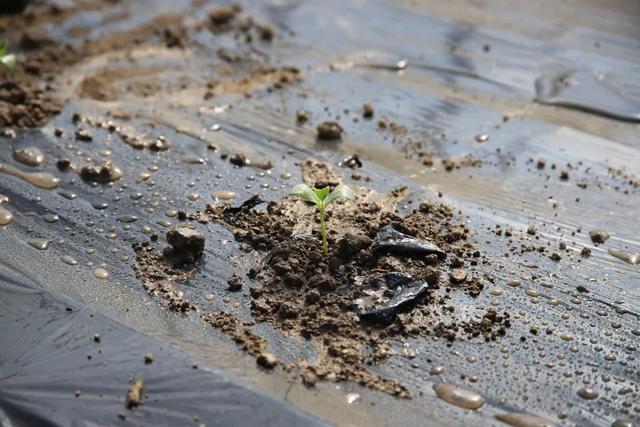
point(171, 213)
point(482, 137)
point(567, 337)
point(628, 257)
point(100, 273)
point(622, 423)
point(286, 175)
point(193, 196)
point(353, 398)
point(514, 283)
point(496, 292)
point(588, 393)
point(458, 396)
point(5, 215)
point(68, 195)
point(51, 218)
point(40, 244)
point(127, 218)
point(436, 370)
point(224, 195)
point(39, 179)
point(69, 260)
point(209, 297)
point(193, 160)
point(520, 419)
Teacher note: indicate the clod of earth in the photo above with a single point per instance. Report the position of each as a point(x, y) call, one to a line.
point(329, 130)
point(302, 116)
point(384, 296)
point(235, 283)
point(149, 358)
point(598, 236)
point(83, 135)
point(390, 240)
point(222, 15)
point(267, 360)
point(187, 243)
point(106, 173)
point(134, 394)
point(367, 111)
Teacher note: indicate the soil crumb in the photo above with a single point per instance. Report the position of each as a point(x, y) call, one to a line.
point(134, 394)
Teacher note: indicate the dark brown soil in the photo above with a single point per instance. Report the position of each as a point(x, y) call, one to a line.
point(306, 295)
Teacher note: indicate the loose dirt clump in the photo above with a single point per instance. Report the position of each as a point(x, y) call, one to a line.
point(107, 172)
point(261, 77)
point(134, 394)
point(160, 277)
point(24, 104)
point(329, 130)
point(305, 294)
point(187, 243)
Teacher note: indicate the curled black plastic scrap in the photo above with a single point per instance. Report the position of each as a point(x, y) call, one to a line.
point(231, 212)
point(390, 240)
point(385, 296)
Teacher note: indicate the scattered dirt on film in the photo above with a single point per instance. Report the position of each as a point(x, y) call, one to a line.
point(159, 276)
point(312, 297)
point(37, 91)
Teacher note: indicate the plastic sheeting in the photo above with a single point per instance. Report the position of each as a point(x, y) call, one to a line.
point(53, 372)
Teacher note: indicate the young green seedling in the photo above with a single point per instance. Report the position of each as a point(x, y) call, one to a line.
point(7, 60)
point(322, 198)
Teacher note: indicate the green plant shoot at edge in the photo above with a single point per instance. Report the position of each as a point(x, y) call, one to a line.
point(322, 198)
point(7, 60)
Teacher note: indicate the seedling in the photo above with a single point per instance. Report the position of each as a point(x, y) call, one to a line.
point(7, 60)
point(322, 198)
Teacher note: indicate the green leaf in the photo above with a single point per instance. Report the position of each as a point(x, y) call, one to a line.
point(3, 47)
point(8, 61)
point(340, 192)
point(321, 192)
point(305, 192)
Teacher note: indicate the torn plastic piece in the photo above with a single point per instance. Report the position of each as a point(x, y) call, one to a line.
point(250, 203)
point(384, 296)
point(391, 240)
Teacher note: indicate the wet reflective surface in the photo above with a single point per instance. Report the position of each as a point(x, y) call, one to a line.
point(457, 81)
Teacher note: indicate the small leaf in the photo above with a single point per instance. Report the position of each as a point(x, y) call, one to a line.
point(305, 192)
point(8, 61)
point(321, 192)
point(3, 46)
point(340, 192)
